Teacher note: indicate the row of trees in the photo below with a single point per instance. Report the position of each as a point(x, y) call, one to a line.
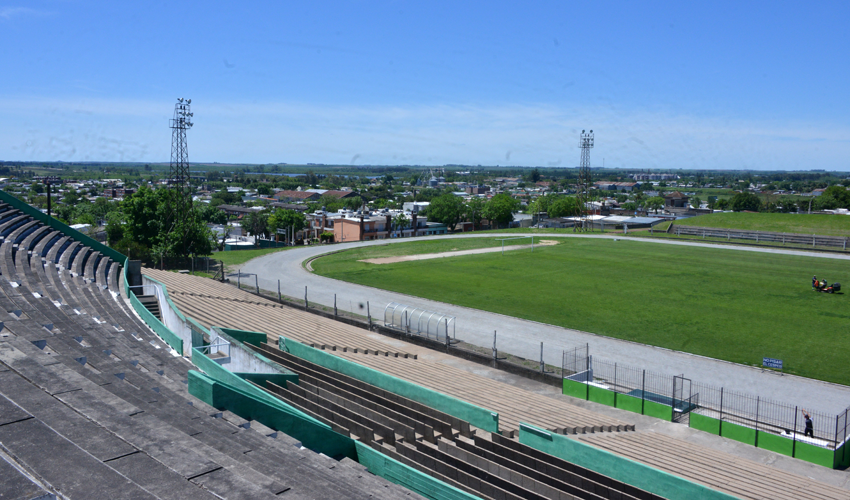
point(450, 209)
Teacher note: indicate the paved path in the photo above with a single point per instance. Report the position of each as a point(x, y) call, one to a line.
point(523, 337)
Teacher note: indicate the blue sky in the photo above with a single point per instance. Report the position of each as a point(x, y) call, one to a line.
point(719, 85)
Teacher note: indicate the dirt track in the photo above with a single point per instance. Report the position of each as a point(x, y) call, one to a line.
point(427, 256)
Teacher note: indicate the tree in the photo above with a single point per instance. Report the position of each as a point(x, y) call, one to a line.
point(211, 214)
point(446, 209)
point(256, 224)
point(535, 175)
point(500, 209)
point(473, 211)
point(721, 204)
point(745, 201)
point(400, 222)
point(114, 227)
point(563, 207)
point(283, 218)
point(654, 203)
point(264, 189)
point(146, 211)
point(696, 202)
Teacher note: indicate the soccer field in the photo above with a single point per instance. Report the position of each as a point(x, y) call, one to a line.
point(717, 302)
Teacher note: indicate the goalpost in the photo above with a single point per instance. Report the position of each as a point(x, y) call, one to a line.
point(503, 240)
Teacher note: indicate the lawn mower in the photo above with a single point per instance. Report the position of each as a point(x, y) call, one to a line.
point(823, 286)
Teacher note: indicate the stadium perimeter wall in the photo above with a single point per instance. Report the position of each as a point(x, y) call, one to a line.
point(620, 468)
point(789, 446)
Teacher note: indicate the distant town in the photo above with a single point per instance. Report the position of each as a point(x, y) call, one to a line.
point(257, 205)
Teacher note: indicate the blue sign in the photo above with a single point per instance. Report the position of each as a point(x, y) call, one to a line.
point(771, 363)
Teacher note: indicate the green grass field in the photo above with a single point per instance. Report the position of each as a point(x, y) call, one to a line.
point(821, 224)
point(722, 303)
point(234, 258)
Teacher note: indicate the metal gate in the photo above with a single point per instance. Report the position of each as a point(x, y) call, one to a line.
point(683, 398)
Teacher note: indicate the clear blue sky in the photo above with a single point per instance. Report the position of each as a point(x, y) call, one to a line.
point(719, 85)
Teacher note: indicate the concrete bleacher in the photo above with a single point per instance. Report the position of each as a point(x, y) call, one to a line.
point(218, 304)
point(93, 405)
point(737, 476)
point(435, 443)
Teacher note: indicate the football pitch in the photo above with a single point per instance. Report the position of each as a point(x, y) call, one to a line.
point(717, 302)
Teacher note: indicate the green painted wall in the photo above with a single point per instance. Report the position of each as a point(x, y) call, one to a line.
point(705, 424)
point(398, 473)
point(737, 432)
point(156, 325)
point(221, 374)
point(617, 467)
point(775, 443)
point(575, 389)
point(600, 395)
point(629, 403)
point(842, 456)
point(475, 415)
point(815, 454)
point(317, 437)
point(245, 336)
point(658, 410)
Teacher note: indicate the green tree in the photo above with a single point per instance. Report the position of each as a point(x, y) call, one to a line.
point(282, 218)
point(146, 212)
point(400, 222)
point(500, 209)
point(446, 209)
point(563, 207)
point(654, 203)
point(695, 201)
point(264, 189)
point(721, 204)
point(473, 211)
point(210, 214)
point(745, 201)
point(114, 227)
point(535, 175)
point(257, 224)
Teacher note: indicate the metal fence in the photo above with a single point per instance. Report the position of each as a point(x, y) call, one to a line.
point(685, 396)
point(762, 236)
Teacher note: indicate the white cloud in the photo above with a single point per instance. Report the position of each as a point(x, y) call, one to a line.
point(11, 12)
point(534, 134)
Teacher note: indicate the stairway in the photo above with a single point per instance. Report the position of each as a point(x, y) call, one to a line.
point(151, 304)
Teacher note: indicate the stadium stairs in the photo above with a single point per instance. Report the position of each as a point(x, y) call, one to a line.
point(93, 405)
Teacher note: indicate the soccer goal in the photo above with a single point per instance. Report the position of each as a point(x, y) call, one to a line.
point(503, 240)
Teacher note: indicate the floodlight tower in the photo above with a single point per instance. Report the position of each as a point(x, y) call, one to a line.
point(178, 179)
point(584, 182)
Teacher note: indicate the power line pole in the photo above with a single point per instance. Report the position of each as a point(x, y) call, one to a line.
point(584, 182)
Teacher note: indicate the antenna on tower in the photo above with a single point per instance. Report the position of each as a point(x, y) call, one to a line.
point(584, 182)
point(178, 179)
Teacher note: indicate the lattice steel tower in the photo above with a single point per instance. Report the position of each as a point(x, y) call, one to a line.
point(584, 182)
point(178, 179)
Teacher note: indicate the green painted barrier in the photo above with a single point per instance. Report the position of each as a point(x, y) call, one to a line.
point(60, 226)
point(814, 454)
point(616, 467)
point(842, 456)
point(629, 403)
point(575, 389)
point(156, 325)
point(746, 435)
point(396, 472)
point(221, 374)
point(658, 410)
point(774, 443)
point(705, 424)
point(314, 436)
point(475, 415)
point(245, 336)
point(600, 395)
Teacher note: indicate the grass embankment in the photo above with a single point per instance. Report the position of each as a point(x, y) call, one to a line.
point(820, 224)
point(722, 303)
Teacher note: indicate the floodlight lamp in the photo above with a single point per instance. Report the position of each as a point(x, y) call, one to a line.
point(179, 99)
point(189, 101)
point(591, 131)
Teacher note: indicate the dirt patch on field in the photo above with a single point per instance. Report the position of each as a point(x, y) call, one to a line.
point(427, 256)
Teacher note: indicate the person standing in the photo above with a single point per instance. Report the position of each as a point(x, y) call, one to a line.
point(810, 426)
